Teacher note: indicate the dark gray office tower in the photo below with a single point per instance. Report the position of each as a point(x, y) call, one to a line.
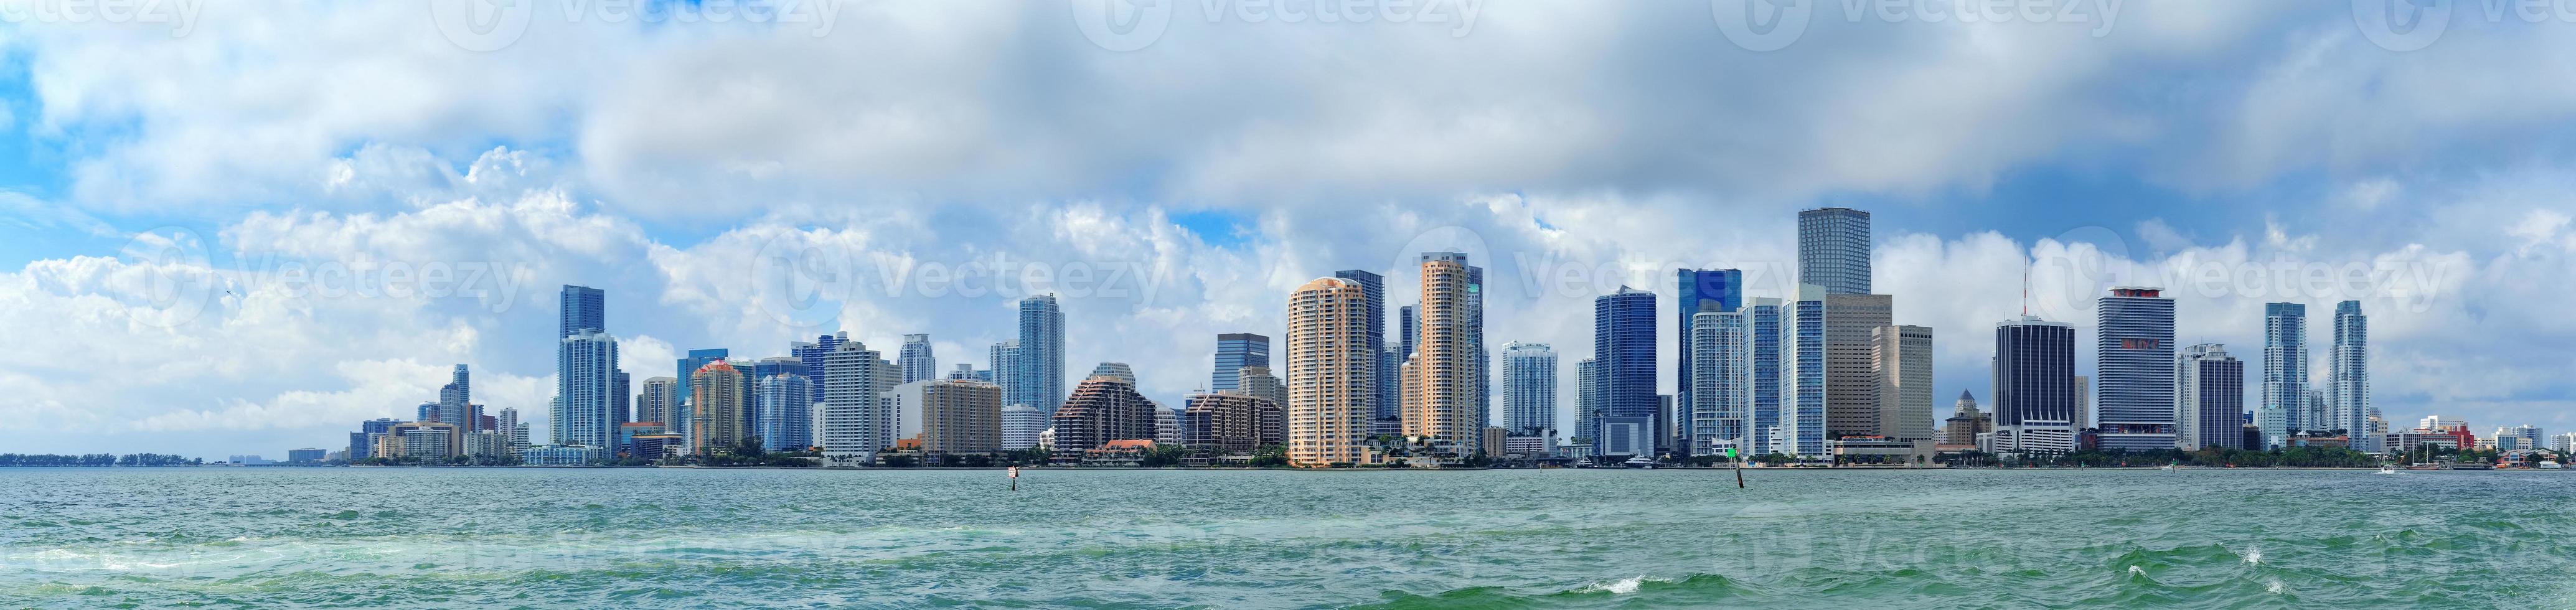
point(583, 308)
point(1833, 250)
point(2034, 372)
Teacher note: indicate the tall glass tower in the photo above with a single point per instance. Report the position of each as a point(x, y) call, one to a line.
point(1763, 340)
point(582, 307)
point(1802, 395)
point(585, 389)
point(1529, 389)
point(1833, 250)
point(2285, 373)
point(2133, 380)
point(1722, 390)
point(1038, 366)
point(1234, 351)
point(1699, 291)
point(2351, 375)
point(1623, 356)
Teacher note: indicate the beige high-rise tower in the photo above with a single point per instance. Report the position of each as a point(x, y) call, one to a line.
point(1330, 373)
point(1439, 404)
point(719, 393)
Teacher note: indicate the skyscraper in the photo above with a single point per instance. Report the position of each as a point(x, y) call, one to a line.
point(1234, 351)
point(1623, 356)
point(720, 399)
point(1587, 402)
point(2035, 395)
point(1721, 396)
point(1439, 402)
point(2350, 391)
point(2209, 406)
point(952, 417)
point(1037, 368)
point(2285, 373)
point(688, 368)
point(585, 389)
point(1005, 356)
point(1833, 250)
point(1329, 370)
point(1764, 365)
point(1851, 383)
point(1903, 365)
point(856, 423)
point(455, 400)
point(1699, 291)
point(782, 408)
point(1119, 370)
point(1383, 400)
point(1021, 425)
point(812, 354)
point(1529, 389)
point(915, 359)
point(1257, 382)
point(582, 308)
point(1480, 361)
point(2133, 376)
point(1804, 357)
point(660, 401)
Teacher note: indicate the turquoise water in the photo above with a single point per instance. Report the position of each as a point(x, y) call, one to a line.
point(640, 538)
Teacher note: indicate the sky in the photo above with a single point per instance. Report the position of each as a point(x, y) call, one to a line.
point(240, 228)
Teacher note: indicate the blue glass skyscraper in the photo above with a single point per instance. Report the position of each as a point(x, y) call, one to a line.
point(916, 360)
point(585, 390)
point(1699, 291)
point(1833, 250)
point(2285, 373)
point(1234, 351)
point(812, 355)
point(1803, 398)
point(1623, 354)
point(581, 307)
point(782, 408)
point(1037, 368)
point(2350, 392)
point(1529, 389)
point(698, 358)
point(2133, 381)
point(1762, 319)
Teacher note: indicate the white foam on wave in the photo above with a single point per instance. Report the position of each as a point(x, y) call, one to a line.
point(2137, 570)
point(2274, 586)
point(2253, 556)
point(1622, 587)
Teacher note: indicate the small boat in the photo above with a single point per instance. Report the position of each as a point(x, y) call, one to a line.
point(1642, 462)
point(2387, 469)
point(2166, 468)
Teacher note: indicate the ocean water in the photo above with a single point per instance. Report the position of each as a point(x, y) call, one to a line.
point(641, 538)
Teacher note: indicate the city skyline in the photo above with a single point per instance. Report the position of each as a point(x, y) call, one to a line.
point(1198, 222)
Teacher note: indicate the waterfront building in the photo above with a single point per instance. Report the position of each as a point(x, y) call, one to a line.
point(1230, 422)
point(2350, 370)
point(916, 360)
point(2134, 375)
point(1329, 375)
point(720, 402)
point(688, 366)
point(2562, 443)
point(951, 417)
point(1851, 379)
point(1529, 389)
point(1762, 318)
point(782, 407)
point(1833, 250)
point(422, 440)
point(812, 354)
point(1167, 426)
point(1234, 351)
point(2035, 395)
point(1624, 362)
point(1119, 370)
point(1698, 291)
point(1803, 392)
point(1037, 366)
point(2285, 373)
point(362, 443)
point(1902, 360)
point(659, 402)
point(1721, 399)
point(585, 389)
point(1021, 425)
point(562, 455)
point(305, 456)
point(856, 423)
point(1103, 408)
point(1439, 405)
point(1587, 402)
point(455, 400)
point(2209, 398)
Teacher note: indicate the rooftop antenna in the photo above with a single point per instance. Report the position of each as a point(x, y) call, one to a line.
point(2025, 289)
